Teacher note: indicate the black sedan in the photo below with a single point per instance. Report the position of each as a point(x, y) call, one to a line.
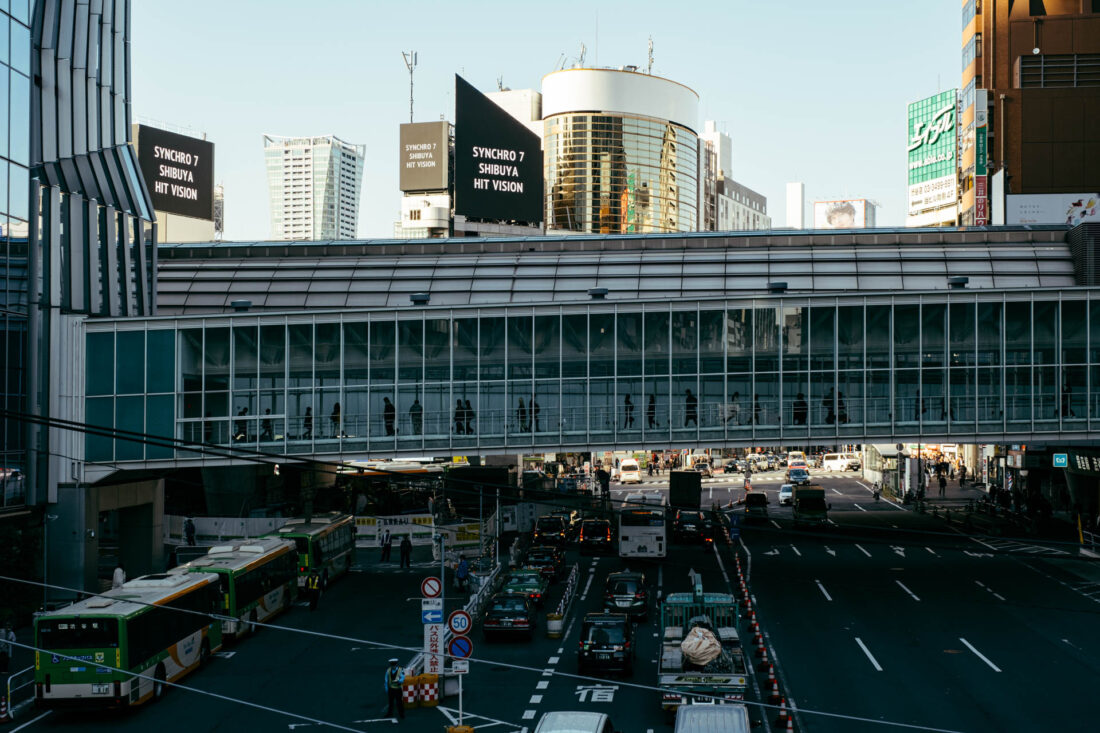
point(692, 526)
point(509, 614)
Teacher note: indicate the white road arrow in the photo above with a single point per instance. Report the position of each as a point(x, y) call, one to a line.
point(978, 554)
point(831, 552)
point(899, 550)
point(772, 552)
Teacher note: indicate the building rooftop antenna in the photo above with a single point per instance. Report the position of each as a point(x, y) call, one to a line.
point(580, 60)
point(410, 63)
point(649, 64)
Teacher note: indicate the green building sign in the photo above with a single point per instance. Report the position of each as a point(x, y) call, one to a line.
point(932, 145)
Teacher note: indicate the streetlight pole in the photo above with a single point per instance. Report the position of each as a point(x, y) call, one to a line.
point(46, 519)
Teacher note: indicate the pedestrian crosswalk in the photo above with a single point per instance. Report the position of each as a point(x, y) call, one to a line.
point(1021, 548)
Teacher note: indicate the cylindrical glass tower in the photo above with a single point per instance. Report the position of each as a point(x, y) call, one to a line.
point(621, 152)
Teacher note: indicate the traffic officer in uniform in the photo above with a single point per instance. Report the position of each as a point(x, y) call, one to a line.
point(395, 680)
point(313, 587)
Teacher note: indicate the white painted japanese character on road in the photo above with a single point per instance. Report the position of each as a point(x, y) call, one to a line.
point(596, 693)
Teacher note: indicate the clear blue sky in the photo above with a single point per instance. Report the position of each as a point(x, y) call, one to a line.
point(808, 90)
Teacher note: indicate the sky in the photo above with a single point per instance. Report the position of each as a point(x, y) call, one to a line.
point(808, 91)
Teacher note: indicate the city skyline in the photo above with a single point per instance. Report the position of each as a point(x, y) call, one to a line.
point(785, 123)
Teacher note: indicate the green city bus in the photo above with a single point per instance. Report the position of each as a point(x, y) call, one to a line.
point(258, 580)
point(325, 542)
point(91, 653)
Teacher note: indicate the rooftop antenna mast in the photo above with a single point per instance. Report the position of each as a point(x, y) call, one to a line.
point(410, 63)
point(649, 65)
point(580, 61)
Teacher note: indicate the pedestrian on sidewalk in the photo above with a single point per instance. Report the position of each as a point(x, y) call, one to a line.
point(387, 546)
point(943, 485)
point(189, 531)
point(962, 475)
point(313, 587)
point(6, 639)
point(406, 552)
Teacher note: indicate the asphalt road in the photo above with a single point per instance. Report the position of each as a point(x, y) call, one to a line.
point(882, 617)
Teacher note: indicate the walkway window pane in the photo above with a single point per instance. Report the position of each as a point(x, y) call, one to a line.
point(244, 357)
point(272, 357)
point(158, 421)
point(849, 397)
point(933, 334)
point(332, 412)
point(822, 398)
point(464, 348)
point(766, 340)
point(878, 403)
point(190, 358)
point(962, 340)
point(301, 355)
point(878, 336)
point(822, 335)
point(491, 349)
point(356, 370)
point(327, 355)
point(656, 343)
point(602, 413)
point(1046, 394)
point(407, 395)
point(130, 377)
point(1045, 330)
point(410, 356)
point(1094, 332)
point(1074, 331)
point(601, 339)
point(463, 419)
point(849, 328)
point(1017, 333)
point(739, 340)
point(546, 393)
point(130, 416)
point(908, 406)
point(628, 343)
point(795, 338)
point(519, 346)
point(383, 416)
point(656, 407)
point(100, 413)
point(934, 407)
point(739, 409)
point(1018, 397)
point(685, 405)
point(685, 342)
point(765, 405)
point(989, 333)
point(1073, 399)
point(712, 399)
point(1094, 395)
point(101, 363)
point(795, 406)
point(963, 396)
point(629, 405)
point(161, 363)
point(574, 400)
point(906, 336)
point(437, 353)
point(548, 347)
point(383, 339)
point(436, 414)
point(356, 412)
point(522, 416)
point(574, 345)
point(494, 413)
point(216, 360)
point(990, 405)
point(710, 342)
point(216, 409)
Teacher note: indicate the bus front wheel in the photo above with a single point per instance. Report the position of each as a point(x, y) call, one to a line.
point(159, 686)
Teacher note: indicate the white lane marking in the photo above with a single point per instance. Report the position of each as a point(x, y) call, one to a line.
point(542, 684)
point(587, 585)
point(980, 583)
point(561, 649)
point(553, 660)
point(528, 714)
point(721, 565)
point(863, 551)
point(857, 506)
point(777, 525)
point(932, 551)
point(911, 593)
point(830, 522)
point(548, 672)
point(980, 655)
point(868, 653)
point(31, 722)
point(796, 551)
point(891, 502)
point(535, 700)
point(825, 592)
point(998, 596)
point(837, 492)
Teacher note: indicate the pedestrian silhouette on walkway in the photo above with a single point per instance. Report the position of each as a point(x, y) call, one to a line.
point(416, 415)
point(406, 552)
point(651, 412)
point(628, 410)
point(691, 409)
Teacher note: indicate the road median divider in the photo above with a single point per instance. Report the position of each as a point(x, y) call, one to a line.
point(555, 619)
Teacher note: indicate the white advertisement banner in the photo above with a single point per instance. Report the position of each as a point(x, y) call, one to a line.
point(1052, 208)
point(933, 194)
point(844, 214)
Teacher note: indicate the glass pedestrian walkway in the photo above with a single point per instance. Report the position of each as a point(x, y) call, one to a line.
point(954, 364)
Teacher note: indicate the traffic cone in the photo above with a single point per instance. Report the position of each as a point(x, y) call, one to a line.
point(764, 660)
point(4, 717)
point(771, 673)
point(760, 650)
point(773, 698)
point(790, 724)
point(783, 716)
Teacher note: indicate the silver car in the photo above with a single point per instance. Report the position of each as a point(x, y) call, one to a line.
point(786, 495)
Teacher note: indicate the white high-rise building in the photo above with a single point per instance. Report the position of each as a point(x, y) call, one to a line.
point(314, 185)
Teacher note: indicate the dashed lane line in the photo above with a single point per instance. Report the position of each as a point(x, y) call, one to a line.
point(542, 684)
point(911, 593)
point(535, 700)
point(870, 656)
point(931, 551)
point(857, 506)
point(553, 660)
point(777, 525)
point(980, 655)
point(823, 591)
point(836, 491)
point(796, 551)
point(863, 551)
point(528, 714)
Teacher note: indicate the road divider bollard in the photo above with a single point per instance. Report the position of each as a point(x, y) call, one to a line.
point(554, 625)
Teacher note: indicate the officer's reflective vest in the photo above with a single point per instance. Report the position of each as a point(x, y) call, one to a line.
point(314, 582)
point(397, 678)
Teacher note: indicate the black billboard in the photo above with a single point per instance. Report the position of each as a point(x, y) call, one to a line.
point(179, 171)
point(498, 161)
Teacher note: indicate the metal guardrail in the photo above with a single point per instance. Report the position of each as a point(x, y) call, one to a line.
point(19, 690)
point(570, 591)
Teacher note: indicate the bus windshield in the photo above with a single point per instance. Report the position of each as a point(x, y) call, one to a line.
point(78, 633)
point(642, 518)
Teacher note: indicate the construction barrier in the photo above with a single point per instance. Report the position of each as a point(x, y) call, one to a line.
point(410, 691)
point(428, 690)
point(554, 625)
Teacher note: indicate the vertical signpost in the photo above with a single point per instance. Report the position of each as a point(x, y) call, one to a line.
point(431, 614)
point(460, 648)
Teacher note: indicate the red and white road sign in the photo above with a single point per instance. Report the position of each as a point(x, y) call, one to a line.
point(459, 622)
point(430, 587)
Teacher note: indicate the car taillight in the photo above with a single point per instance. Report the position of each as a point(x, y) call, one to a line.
point(609, 535)
point(302, 569)
point(639, 595)
point(626, 645)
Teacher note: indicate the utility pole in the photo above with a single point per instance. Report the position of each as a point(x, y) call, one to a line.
point(410, 64)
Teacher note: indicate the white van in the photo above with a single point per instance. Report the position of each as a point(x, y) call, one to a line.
point(712, 719)
point(575, 722)
point(841, 462)
point(629, 472)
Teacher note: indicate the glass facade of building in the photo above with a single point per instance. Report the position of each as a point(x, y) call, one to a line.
point(618, 174)
point(779, 370)
point(15, 119)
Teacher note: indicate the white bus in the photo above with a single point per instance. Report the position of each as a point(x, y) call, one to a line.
point(643, 526)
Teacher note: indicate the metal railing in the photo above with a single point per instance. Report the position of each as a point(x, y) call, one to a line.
point(570, 591)
point(19, 690)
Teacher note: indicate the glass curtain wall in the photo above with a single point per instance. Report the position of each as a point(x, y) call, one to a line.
point(639, 375)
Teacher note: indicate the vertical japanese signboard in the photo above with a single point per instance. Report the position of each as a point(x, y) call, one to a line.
point(981, 153)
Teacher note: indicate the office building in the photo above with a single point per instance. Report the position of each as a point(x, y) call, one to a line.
point(796, 205)
point(1029, 104)
point(620, 152)
point(314, 185)
point(724, 204)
